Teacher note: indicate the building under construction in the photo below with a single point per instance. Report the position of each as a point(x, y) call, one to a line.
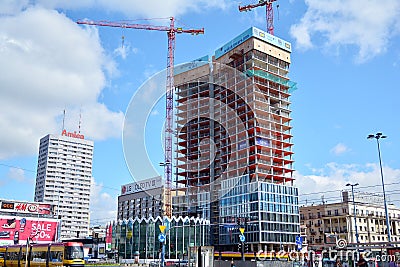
point(234, 144)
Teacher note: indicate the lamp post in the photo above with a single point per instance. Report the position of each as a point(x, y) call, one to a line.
point(378, 136)
point(354, 207)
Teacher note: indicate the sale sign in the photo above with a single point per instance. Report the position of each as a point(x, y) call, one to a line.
point(16, 230)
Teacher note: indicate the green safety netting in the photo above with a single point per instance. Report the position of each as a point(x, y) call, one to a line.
point(266, 75)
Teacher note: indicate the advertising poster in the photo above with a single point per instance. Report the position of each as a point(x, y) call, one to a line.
point(25, 207)
point(108, 237)
point(16, 230)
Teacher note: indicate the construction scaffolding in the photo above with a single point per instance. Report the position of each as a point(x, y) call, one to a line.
point(233, 120)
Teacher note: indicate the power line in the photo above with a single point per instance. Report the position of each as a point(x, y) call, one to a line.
point(16, 167)
point(28, 170)
point(393, 192)
point(339, 190)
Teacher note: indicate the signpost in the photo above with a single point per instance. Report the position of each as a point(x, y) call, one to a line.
point(242, 239)
point(299, 242)
point(161, 238)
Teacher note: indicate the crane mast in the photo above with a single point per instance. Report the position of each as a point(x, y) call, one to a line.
point(171, 32)
point(268, 10)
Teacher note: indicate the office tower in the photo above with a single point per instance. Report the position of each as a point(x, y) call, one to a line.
point(234, 143)
point(63, 178)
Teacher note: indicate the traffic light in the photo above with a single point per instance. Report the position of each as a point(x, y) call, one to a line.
point(240, 246)
point(238, 221)
point(246, 247)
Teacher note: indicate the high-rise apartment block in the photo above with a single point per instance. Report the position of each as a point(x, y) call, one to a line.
point(63, 178)
point(234, 142)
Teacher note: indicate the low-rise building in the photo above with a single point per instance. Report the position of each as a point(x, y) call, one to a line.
point(142, 199)
point(328, 222)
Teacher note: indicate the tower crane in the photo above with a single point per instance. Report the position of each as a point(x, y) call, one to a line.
point(171, 32)
point(269, 12)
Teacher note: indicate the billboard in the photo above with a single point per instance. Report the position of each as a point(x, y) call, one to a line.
point(142, 186)
point(25, 207)
point(16, 230)
point(108, 237)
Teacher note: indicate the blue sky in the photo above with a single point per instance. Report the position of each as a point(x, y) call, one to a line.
point(345, 60)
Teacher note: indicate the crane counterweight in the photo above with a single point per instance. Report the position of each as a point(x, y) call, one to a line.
point(268, 10)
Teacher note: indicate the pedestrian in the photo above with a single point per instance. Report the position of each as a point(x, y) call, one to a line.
point(232, 263)
point(338, 263)
point(361, 261)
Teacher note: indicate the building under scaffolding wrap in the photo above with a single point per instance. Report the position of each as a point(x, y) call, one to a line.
point(234, 144)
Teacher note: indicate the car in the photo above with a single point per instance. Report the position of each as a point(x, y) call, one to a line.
point(182, 263)
point(154, 264)
point(4, 234)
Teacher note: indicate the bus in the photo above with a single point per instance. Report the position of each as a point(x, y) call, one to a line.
point(44, 255)
point(2, 255)
point(228, 255)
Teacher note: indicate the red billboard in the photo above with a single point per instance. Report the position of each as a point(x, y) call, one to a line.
point(108, 236)
point(16, 230)
point(25, 207)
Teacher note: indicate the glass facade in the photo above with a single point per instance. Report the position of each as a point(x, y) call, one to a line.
point(140, 237)
point(268, 212)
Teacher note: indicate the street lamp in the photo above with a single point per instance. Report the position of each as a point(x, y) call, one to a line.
point(378, 136)
point(354, 206)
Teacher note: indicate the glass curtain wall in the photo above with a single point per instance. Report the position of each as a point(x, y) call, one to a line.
point(139, 237)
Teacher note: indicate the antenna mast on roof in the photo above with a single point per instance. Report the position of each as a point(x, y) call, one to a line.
point(63, 120)
point(80, 121)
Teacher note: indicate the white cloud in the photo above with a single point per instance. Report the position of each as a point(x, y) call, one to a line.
point(124, 50)
point(339, 149)
point(333, 177)
point(148, 9)
point(17, 175)
point(50, 63)
point(9, 7)
point(367, 25)
point(103, 206)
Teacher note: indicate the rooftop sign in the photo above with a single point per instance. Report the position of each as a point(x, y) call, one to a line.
point(191, 65)
point(72, 134)
point(257, 33)
point(141, 186)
